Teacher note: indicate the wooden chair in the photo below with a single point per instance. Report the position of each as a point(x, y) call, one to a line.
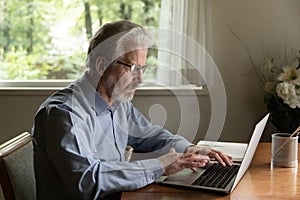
point(16, 168)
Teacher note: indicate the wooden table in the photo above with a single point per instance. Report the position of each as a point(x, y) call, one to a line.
point(260, 182)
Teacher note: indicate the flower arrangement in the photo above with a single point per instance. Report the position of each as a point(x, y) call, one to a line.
point(281, 87)
point(282, 93)
point(283, 82)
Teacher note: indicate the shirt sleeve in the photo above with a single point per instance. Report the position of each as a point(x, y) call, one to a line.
point(82, 175)
point(146, 137)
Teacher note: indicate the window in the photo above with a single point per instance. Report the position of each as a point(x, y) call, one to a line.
point(48, 40)
point(188, 41)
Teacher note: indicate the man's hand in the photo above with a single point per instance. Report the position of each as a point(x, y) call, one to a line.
point(222, 158)
point(174, 162)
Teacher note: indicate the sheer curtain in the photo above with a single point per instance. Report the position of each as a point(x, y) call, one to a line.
point(183, 23)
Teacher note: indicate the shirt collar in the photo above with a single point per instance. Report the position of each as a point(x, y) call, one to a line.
point(90, 93)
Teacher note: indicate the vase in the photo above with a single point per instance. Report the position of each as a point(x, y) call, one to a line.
point(284, 118)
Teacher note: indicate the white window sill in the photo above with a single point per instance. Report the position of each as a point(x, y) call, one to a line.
point(49, 87)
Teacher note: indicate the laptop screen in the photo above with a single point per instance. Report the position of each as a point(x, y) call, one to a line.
point(259, 128)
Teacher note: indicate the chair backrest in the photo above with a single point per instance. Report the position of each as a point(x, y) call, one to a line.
point(16, 168)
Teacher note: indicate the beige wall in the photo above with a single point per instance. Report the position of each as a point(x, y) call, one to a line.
point(266, 27)
point(17, 111)
point(173, 112)
point(263, 25)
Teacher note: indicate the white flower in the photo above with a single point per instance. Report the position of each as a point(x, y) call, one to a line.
point(269, 64)
point(293, 101)
point(285, 89)
point(269, 87)
point(287, 92)
point(290, 74)
point(297, 89)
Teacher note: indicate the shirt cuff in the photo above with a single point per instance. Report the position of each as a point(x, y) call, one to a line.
point(153, 169)
point(182, 145)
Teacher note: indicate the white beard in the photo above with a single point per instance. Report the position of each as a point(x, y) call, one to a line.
point(120, 95)
point(123, 97)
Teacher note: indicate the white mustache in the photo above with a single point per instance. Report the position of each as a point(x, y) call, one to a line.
point(133, 86)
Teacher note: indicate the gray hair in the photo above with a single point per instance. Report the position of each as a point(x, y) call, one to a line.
point(132, 40)
point(116, 39)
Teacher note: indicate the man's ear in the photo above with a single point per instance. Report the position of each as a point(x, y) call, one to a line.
point(100, 65)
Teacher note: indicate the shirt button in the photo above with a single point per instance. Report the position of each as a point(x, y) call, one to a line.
point(95, 151)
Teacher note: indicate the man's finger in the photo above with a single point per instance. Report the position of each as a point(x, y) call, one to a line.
point(195, 158)
point(221, 158)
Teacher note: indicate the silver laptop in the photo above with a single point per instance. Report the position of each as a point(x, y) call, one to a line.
point(215, 177)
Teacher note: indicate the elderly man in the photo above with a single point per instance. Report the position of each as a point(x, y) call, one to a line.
point(81, 132)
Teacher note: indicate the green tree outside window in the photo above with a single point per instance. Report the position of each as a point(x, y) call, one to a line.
point(48, 39)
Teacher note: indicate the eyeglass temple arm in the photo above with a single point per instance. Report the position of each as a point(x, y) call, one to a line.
point(123, 63)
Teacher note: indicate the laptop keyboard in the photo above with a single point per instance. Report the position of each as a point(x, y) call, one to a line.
point(217, 176)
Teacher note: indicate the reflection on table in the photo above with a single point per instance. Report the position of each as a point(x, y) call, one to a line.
point(261, 181)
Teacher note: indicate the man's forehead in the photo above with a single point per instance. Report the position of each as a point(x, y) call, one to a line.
point(135, 55)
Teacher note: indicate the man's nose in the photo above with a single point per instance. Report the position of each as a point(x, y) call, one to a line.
point(139, 76)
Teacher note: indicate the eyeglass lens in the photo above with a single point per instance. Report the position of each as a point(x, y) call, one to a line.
point(135, 69)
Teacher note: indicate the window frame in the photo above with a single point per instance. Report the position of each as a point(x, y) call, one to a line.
point(48, 87)
point(29, 84)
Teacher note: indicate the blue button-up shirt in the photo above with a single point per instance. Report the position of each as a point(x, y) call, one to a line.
point(80, 142)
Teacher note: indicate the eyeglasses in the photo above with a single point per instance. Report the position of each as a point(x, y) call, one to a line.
point(134, 69)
